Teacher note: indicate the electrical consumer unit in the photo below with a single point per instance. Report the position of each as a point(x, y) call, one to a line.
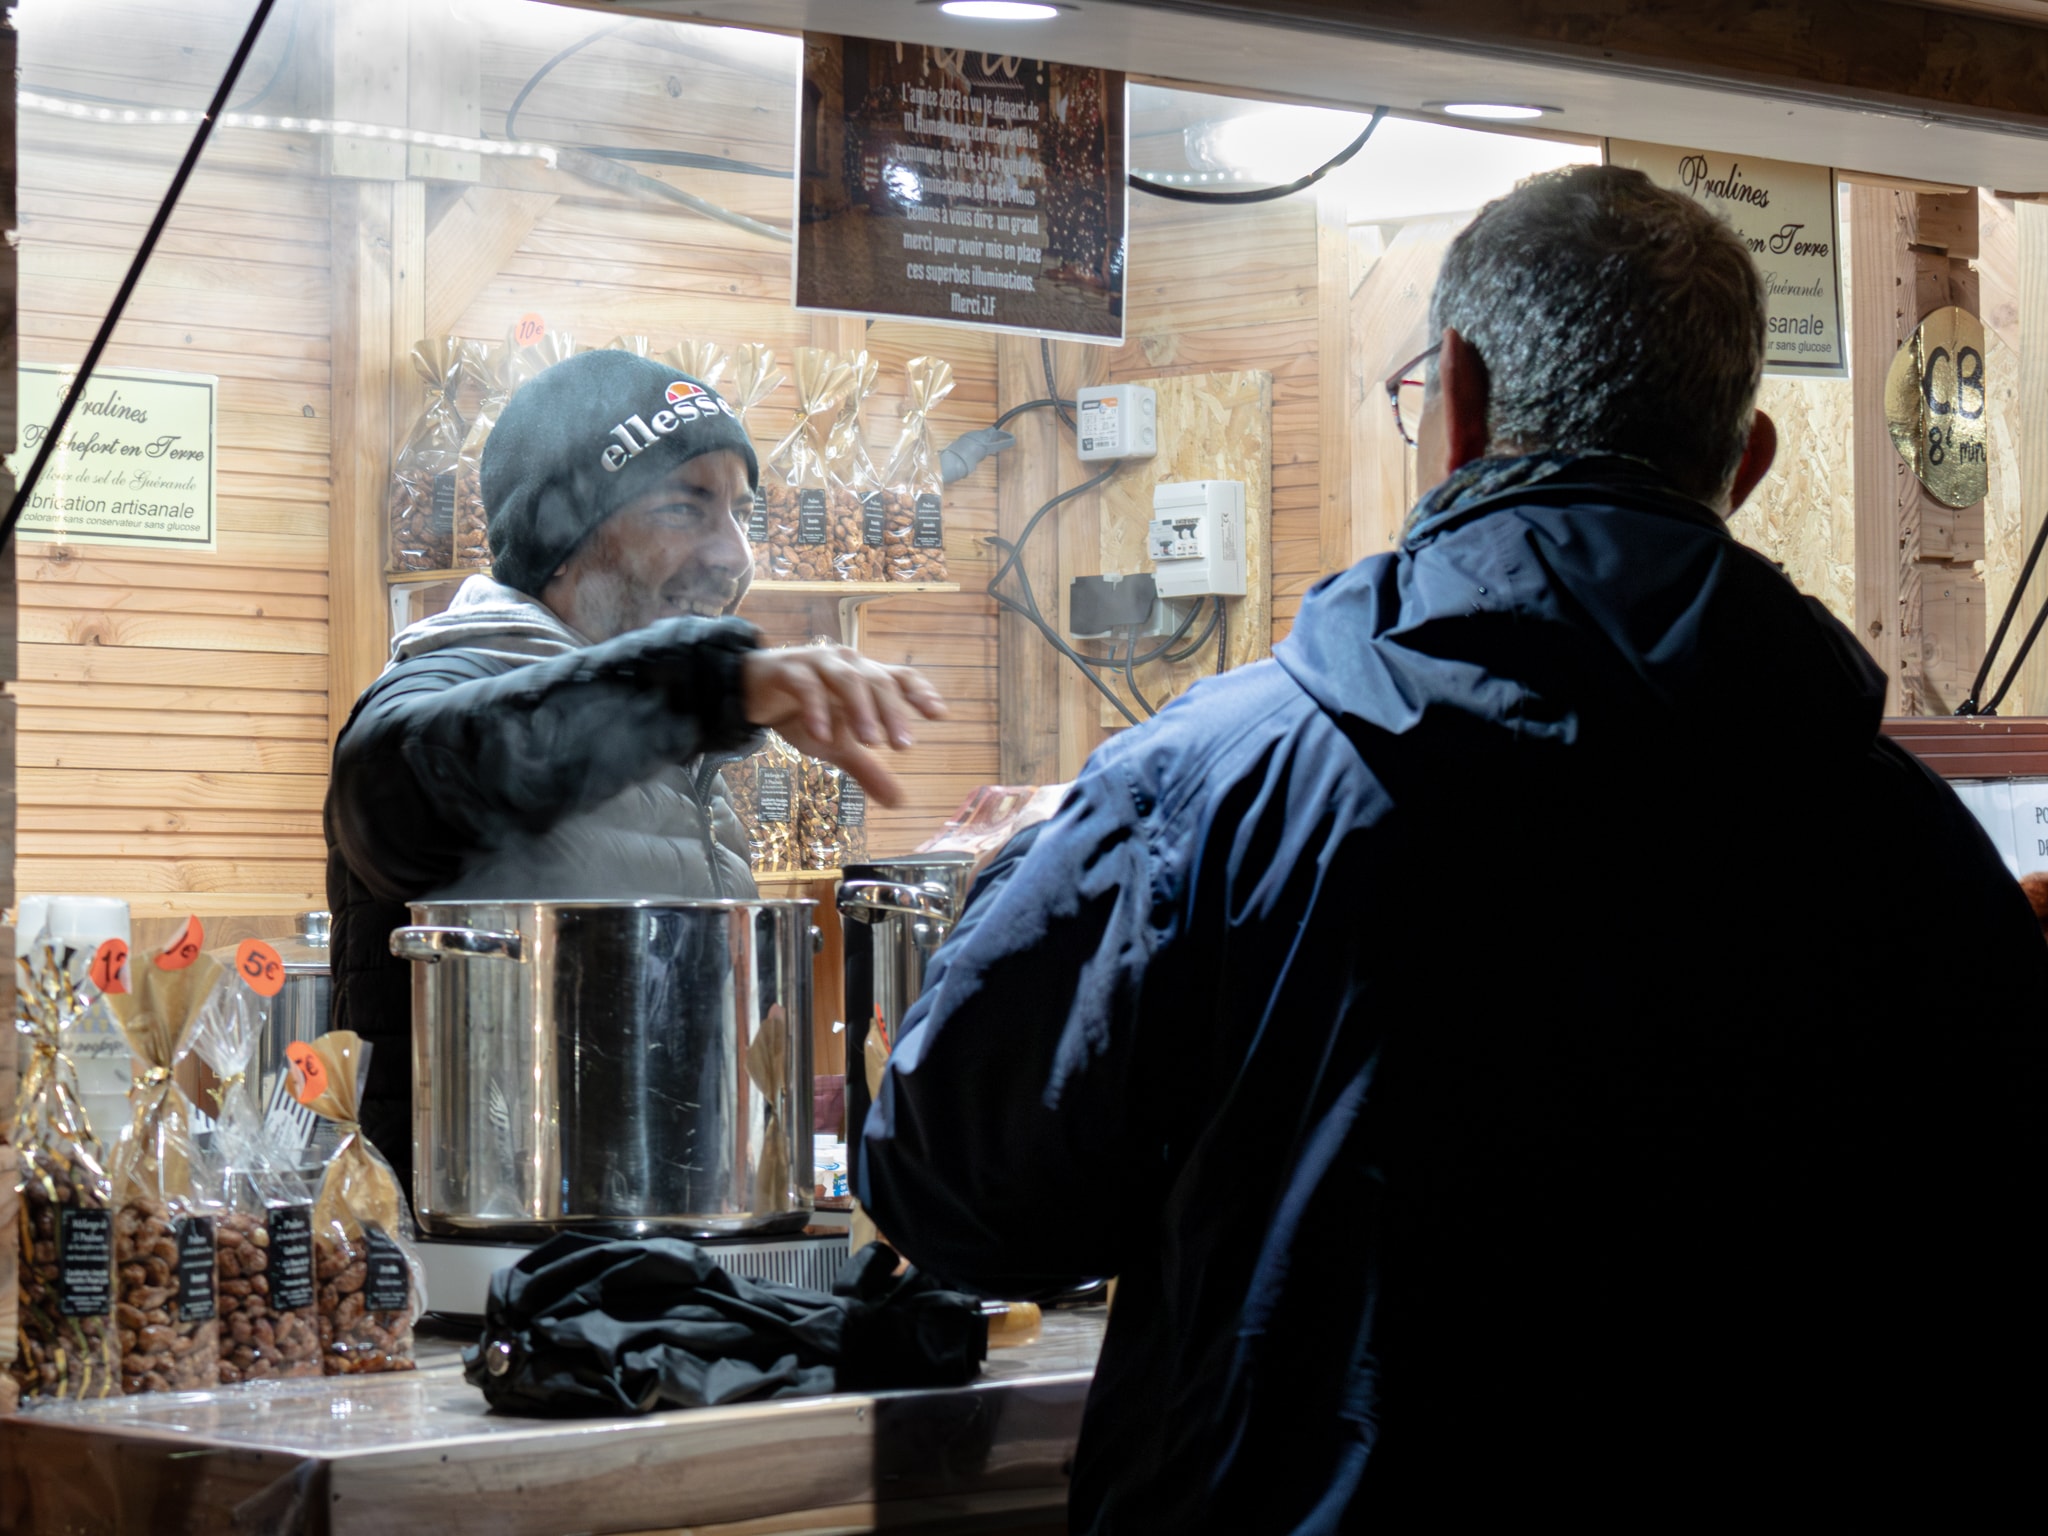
point(1116, 421)
point(1197, 538)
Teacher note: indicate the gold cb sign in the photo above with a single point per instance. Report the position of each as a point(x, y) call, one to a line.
point(1934, 404)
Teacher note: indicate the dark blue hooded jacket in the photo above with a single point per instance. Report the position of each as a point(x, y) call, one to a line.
point(1532, 1047)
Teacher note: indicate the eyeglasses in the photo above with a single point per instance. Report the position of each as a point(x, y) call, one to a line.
point(1404, 393)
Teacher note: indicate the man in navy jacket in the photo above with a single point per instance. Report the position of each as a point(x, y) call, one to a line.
point(1532, 1048)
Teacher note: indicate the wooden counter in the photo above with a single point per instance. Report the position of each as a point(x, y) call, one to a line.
point(420, 1452)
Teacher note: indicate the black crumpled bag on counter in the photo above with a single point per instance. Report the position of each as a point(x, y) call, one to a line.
point(583, 1325)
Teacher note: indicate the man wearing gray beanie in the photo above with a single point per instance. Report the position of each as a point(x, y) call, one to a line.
point(556, 734)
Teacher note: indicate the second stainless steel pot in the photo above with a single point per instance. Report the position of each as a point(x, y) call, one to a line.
point(637, 1067)
point(898, 913)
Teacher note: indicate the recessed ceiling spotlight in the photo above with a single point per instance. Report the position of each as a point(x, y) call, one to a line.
point(998, 10)
point(1492, 111)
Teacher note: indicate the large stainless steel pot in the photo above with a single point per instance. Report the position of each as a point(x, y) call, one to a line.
point(636, 1067)
point(904, 909)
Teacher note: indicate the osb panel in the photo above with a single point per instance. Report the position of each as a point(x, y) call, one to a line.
point(1804, 514)
point(1212, 426)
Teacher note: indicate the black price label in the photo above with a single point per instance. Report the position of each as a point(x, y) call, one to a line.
point(757, 520)
point(811, 527)
point(927, 531)
point(387, 1285)
point(85, 1263)
point(772, 793)
point(194, 1237)
point(874, 517)
point(291, 1258)
point(441, 521)
point(853, 802)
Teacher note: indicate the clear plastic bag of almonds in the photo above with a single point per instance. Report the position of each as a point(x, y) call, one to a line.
point(703, 361)
point(490, 365)
point(369, 1288)
point(425, 473)
point(66, 1346)
point(753, 379)
point(799, 544)
point(764, 786)
point(854, 497)
point(833, 820)
point(269, 1328)
point(913, 528)
point(166, 1217)
point(832, 808)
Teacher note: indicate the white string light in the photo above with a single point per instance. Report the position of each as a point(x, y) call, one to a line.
point(57, 106)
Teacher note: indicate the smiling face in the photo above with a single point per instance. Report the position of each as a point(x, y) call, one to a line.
point(679, 549)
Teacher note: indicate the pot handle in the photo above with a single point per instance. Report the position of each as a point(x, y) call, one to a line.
point(435, 944)
point(867, 899)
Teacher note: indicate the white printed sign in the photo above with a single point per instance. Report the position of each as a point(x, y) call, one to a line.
point(1786, 214)
point(2014, 814)
point(136, 463)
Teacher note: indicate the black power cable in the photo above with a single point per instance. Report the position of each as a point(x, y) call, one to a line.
point(570, 52)
point(1045, 357)
point(1028, 608)
point(1261, 194)
point(1970, 706)
point(1029, 405)
point(55, 433)
point(1131, 673)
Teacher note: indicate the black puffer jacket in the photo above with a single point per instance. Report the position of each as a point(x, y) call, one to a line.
point(499, 757)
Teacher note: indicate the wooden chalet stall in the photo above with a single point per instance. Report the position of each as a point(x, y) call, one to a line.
point(393, 171)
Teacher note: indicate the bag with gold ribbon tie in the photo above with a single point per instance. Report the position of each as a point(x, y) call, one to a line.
point(369, 1286)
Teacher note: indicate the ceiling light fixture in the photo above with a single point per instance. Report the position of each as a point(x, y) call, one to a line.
point(998, 10)
point(1490, 111)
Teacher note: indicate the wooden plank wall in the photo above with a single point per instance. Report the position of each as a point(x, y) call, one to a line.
point(1209, 290)
point(174, 706)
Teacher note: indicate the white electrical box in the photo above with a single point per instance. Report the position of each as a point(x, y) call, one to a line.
point(1116, 421)
point(1197, 538)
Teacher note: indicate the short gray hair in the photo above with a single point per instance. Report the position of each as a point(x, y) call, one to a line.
point(1612, 316)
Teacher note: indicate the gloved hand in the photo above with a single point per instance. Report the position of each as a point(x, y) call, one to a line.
point(958, 459)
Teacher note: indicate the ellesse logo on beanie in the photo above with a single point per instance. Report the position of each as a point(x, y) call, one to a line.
point(684, 403)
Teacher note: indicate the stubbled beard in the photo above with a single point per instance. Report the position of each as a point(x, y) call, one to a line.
point(610, 604)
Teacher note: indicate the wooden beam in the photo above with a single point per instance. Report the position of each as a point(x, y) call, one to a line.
point(1389, 319)
point(469, 244)
point(1078, 524)
point(443, 86)
point(1340, 389)
point(1887, 54)
point(1879, 298)
point(379, 251)
point(1027, 668)
point(2032, 219)
point(366, 58)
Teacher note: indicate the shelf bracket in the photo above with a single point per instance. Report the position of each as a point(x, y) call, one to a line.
point(849, 620)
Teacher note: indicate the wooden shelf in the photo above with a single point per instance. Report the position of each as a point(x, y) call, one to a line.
point(796, 877)
point(421, 578)
point(848, 588)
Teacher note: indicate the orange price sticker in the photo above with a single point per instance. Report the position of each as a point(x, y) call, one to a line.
point(109, 969)
point(529, 330)
point(184, 949)
point(309, 1072)
point(260, 966)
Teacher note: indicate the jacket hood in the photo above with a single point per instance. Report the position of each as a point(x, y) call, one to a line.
point(1565, 602)
point(488, 616)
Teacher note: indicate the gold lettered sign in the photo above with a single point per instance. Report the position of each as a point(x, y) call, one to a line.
point(1934, 404)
